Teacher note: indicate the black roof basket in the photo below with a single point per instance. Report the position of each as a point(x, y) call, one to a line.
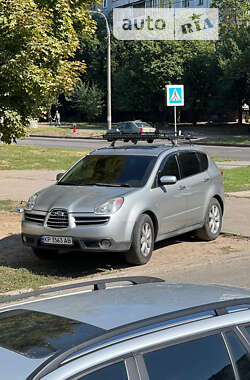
point(149, 137)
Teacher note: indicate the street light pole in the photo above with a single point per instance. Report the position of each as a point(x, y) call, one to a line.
point(109, 114)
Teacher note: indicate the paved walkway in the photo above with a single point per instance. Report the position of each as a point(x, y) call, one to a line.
point(20, 184)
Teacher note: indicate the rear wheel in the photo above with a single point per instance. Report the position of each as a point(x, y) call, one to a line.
point(142, 241)
point(213, 222)
point(150, 141)
point(45, 254)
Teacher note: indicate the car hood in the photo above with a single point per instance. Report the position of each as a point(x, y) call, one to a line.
point(77, 198)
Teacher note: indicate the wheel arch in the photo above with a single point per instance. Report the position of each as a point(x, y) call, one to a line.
point(154, 220)
point(219, 199)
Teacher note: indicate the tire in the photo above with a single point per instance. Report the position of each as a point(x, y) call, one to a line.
point(126, 140)
point(142, 241)
point(150, 141)
point(45, 254)
point(213, 222)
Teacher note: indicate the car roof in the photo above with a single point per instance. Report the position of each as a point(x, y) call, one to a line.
point(109, 308)
point(143, 150)
point(117, 306)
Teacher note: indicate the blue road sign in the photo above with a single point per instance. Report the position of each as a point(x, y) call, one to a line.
point(175, 95)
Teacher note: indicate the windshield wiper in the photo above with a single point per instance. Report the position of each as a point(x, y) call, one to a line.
point(112, 184)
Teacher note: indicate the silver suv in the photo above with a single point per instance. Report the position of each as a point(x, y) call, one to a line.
point(148, 331)
point(126, 198)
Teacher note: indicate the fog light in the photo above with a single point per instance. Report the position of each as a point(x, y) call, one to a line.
point(105, 243)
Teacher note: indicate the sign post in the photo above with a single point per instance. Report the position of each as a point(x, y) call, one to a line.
point(175, 97)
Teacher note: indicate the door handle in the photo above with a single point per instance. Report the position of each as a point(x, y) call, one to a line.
point(182, 187)
point(206, 179)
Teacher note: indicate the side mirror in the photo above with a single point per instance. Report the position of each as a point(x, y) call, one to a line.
point(168, 179)
point(59, 176)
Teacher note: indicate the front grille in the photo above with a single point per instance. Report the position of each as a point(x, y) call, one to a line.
point(34, 218)
point(58, 219)
point(90, 220)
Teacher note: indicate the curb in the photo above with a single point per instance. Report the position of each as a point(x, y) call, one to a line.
point(98, 138)
point(220, 144)
point(68, 137)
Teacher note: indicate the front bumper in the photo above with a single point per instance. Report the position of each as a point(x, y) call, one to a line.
point(113, 235)
point(79, 244)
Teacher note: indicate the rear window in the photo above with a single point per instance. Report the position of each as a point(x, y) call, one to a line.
point(38, 335)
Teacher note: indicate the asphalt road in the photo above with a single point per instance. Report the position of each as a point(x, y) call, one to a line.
point(234, 153)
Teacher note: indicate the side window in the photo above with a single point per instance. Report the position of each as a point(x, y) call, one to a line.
point(189, 164)
point(122, 126)
point(200, 359)
point(203, 161)
point(115, 371)
point(248, 330)
point(240, 355)
point(171, 167)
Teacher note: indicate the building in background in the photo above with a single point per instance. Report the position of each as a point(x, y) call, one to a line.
point(108, 5)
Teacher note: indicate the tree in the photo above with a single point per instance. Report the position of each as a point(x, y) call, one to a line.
point(201, 76)
point(233, 50)
point(88, 99)
point(141, 71)
point(38, 42)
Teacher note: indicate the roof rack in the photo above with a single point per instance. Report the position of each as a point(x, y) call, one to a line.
point(219, 308)
point(97, 285)
point(147, 136)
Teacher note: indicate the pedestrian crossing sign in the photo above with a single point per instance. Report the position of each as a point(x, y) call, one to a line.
point(175, 95)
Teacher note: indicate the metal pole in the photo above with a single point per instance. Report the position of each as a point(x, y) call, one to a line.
point(109, 112)
point(175, 128)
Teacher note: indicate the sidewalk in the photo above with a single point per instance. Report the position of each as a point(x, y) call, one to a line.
point(18, 185)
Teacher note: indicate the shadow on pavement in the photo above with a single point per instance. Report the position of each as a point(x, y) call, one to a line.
point(72, 264)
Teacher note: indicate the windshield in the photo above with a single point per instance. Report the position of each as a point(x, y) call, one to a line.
point(108, 170)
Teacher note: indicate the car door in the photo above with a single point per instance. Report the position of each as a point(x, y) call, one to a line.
point(169, 200)
point(98, 369)
point(193, 185)
point(202, 358)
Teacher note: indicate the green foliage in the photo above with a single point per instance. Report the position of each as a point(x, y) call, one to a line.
point(88, 99)
point(38, 41)
point(233, 51)
point(143, 68)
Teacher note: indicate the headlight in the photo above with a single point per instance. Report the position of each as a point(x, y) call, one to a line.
point(31, 202)
point(110, 207)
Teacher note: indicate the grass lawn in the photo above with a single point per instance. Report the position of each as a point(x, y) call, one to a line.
point(10, 206)
point(66, 130)
point(243, 140)
point(33, 274)
point(236, 179)
point(14, 157)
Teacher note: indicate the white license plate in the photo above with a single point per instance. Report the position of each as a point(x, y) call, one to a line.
point(61, 240)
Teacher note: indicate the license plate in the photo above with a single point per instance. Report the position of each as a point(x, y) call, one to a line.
point(60, 240)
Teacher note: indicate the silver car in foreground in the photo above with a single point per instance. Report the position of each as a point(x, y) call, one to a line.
point(148, 331)
point(124, 199)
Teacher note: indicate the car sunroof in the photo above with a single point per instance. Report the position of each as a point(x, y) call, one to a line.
point(37, 335)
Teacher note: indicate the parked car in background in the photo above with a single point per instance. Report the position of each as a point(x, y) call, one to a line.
point(124, 199)
point(130, 127)
point(149, 331)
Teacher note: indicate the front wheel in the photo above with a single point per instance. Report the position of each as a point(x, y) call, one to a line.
point(213, 222)
point(142, 241)
point(45, 254)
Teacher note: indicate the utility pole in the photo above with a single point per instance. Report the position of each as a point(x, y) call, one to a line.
point(109, 113)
